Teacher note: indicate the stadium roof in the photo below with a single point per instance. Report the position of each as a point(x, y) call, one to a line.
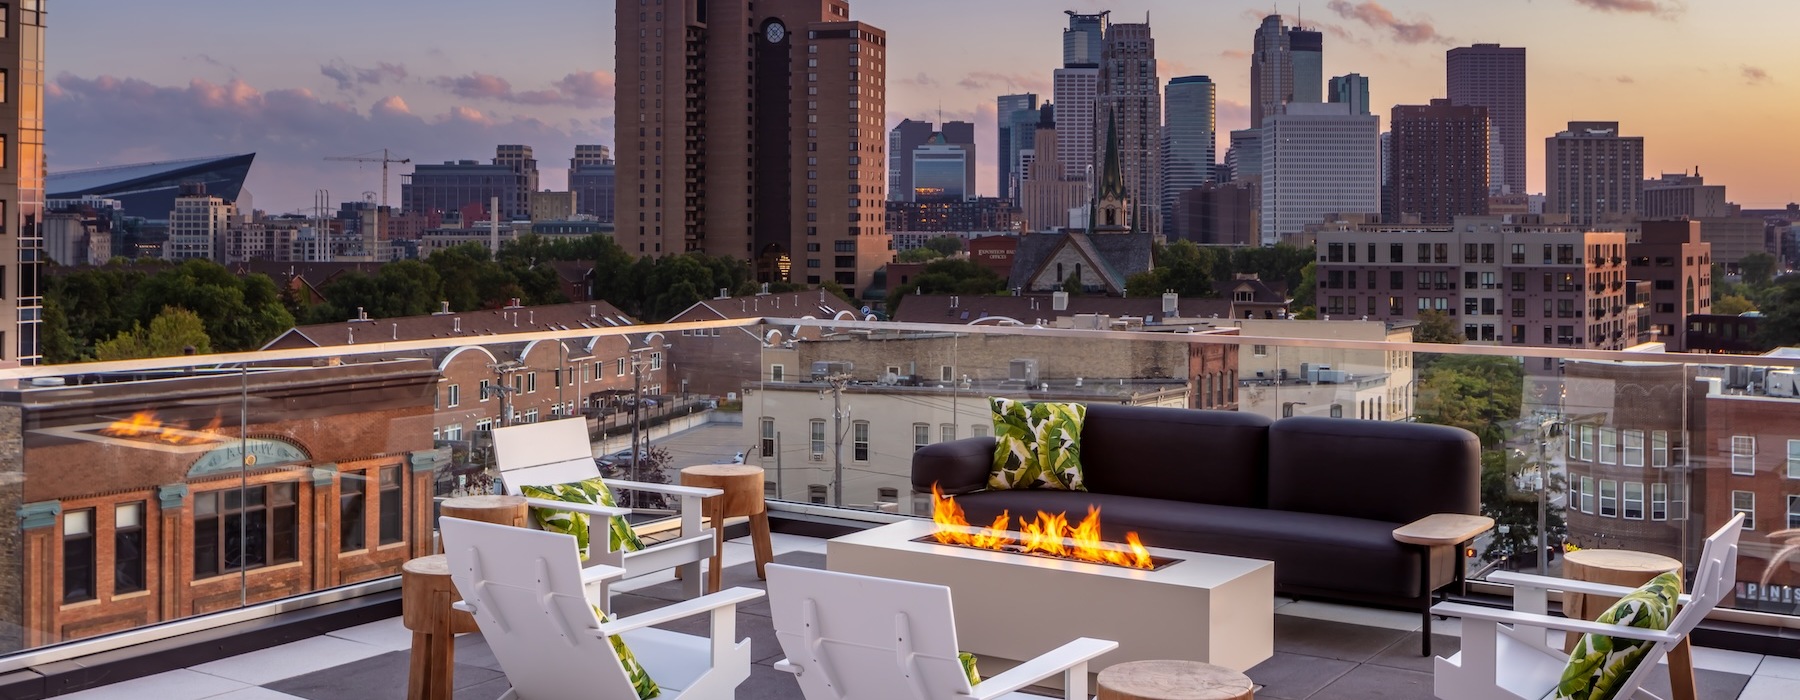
point(149, 189)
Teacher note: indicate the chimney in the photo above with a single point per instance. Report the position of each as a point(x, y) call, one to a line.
point(765, 289)
point(456, 325)
point(724, 293)
point(352, 336)
point(443, 307)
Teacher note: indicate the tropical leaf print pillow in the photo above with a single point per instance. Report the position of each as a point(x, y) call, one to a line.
point(1037, 445)
point(1599, 664)
point(592, 492)
point(634, 671)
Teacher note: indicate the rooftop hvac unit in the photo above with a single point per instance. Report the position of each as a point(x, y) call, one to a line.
point(1022, 370)
point(1059, 301)
point(821, 370)
point(1171, 302)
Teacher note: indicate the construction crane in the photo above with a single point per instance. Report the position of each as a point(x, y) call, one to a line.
point(384, 160)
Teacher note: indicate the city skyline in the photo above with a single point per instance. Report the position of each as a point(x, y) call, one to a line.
point(433, 95)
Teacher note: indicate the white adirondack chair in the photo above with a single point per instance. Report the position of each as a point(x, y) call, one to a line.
point(558, 452)
point(525, 589)
point(868, 638)
point(1506, 654)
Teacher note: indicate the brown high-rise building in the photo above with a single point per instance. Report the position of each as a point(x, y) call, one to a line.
point(1439, 162)
point(754, 130)
point(1493, 76)
point(21, 178)
point(1671, 257)
point(1593, 174)
point(1129, 98)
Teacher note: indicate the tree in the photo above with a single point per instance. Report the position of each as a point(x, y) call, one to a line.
point(946, 245)
point(240, 313)
point(918, 255)
point(1513, 509)
point(949, 276)
point(837, 290)
point(1733, 305)
point(1436, 327)
point(1758, 268)
point(1182, 267)
point(174, 331)
point(1305, 295)
point(1781, 315)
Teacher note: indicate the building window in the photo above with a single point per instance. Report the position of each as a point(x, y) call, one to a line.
point(1793, 520)
point(1659, 501)
point(1587, 443)
point(921, 436)
point(619, 367)
point(859, 441)
point(1609, 498)
point(1678, 501)
point(1793, 459)
point(352, 511)
point(1634, 448)
point(242, 529)
point(453, 395)
point(768, 437)
point(1587, 495)
point(486, 388)
point(1634, 500)
point(815, 493)
point(128, 548)
point(1745, 502)
point(1659, 448)
point(777, 373)
point(887, 494)
point(530, 382)
point(818, 441)
point(1743, 455)
point(392, 506)
point(979, 430)
point(1609, 446)
point(946, 373)
point(655, 361)
point(78, 555)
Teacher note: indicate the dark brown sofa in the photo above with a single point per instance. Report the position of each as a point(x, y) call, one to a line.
point(1320, 497)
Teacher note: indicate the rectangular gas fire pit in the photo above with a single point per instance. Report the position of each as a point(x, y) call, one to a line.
point(1010, 607)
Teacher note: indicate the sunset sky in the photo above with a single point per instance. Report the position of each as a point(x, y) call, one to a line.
point(1708, 84)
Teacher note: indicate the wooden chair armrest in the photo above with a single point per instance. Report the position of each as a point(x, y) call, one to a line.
point(1513, 617)
point(687, 608)
point(1068, 656)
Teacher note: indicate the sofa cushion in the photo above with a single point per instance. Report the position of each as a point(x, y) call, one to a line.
point(1312, 552)
point(1377, 470)
point(1177, 454)
point(1037, 445)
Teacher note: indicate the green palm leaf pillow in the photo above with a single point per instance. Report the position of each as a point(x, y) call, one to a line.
point(640, 678)
point(1599, 664)
point(1037, 445)
point(592, 492)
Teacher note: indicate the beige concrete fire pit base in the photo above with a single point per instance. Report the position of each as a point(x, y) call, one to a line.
point(1215, 609)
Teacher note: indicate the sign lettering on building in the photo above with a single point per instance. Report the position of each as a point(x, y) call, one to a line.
point(246, 454)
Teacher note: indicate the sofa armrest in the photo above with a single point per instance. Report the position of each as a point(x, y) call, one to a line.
point(957, 466)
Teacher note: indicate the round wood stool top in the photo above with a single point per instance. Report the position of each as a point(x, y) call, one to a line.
point(500, 510)
point(1173, 680)
point(1618, 567)
point(426, 593)
point(742, 484)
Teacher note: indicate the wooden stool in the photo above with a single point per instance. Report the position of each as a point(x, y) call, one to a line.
point(425, 598)
point(499, 510)
point(743, 487)
point(1173, 680)
point(1621, 567)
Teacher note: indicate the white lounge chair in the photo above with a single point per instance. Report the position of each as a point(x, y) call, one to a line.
point(868, 638)
point(526, 591)
point(1506, 654)
point(558, 452)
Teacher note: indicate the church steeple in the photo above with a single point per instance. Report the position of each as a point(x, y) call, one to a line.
point(1111, 207)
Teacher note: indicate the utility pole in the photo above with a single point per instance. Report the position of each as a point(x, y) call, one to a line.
point(637, 403)
point(837, 382)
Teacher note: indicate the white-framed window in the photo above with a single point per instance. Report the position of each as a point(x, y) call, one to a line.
point(768, 437)
point(1659, 501)
point(453, 395)
point(1793, 460)
point(946, 373)
point(1659, 448)
point(946, 432)
point(1587, 495)
point(486, 388)
point(1587, 443)
point(921, 435)
point(530, 382)
point(484, 425)
point(655, 361)
point(1574, 441)
point(1678, 501)
point(1743, 455)
point(1609, 446)
point(1745, 502)
point(859, 441)
point(979, 430)
point(1793, 512)
point(1609, 498)
point(1634, 448)
point(815, 493)
point(777, 373)
point(619, 367)
point(453, 432)
point(531, 416)
point(1634, 500)
point(818, 441)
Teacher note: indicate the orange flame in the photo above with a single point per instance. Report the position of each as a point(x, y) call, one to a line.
point(1047, 534)
point(144, 424)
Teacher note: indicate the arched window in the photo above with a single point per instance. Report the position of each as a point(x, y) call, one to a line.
point(1690, 295)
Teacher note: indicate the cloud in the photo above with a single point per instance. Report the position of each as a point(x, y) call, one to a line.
point(1235, 54)
point(581, 89)
point(1625, 79)
point(352, 79)
point(1373, 14)
point(922, 79)
point(1756, 76)
point(107, 120)
point(1659, 8)
point(1012, 82)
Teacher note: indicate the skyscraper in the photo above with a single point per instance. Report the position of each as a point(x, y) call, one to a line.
point(1082, 40)
point(1130, 100)
point(594, 179)
point(1317, 159)
point(22, 178)
point(1074, 90)
point(1353, 90)
point(1493, 76)
point(1189, 138)
point(940, 171)
point(725, 145)
point(1016, 117)
point(1593, 174)
point(1271, 70)
point(1440, 161)
point(901, 140)
point(518, 159)
point(909, 137)
point(1306, 51)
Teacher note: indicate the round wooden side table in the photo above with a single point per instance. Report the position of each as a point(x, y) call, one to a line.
point(1623, 567)
point(1173, 680)
point(743, 487)
point(425, 598)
